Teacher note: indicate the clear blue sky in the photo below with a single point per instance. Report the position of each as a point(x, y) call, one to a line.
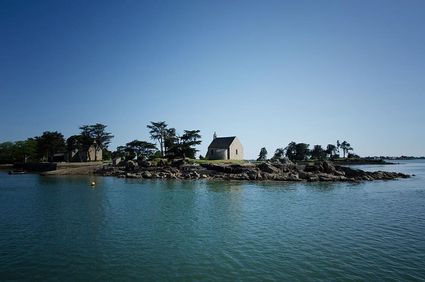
point(269, 72)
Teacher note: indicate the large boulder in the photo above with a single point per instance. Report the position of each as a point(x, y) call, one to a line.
point(312, 168)
point(195, 175)
point(179, 162)
point(162, 163)
point(286, 167)
point(268, 167)
point(328, 167)
point(131, 165)
point(132, 175)
point(287, 161)
point(146, 174)
point(225, 168)
point(144, 163)
point(252, 175)
point(305, 175)
point(215, 167)
point(237, 168)
point(352, 173)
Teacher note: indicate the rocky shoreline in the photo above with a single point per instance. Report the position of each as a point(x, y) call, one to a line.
point(320, 171)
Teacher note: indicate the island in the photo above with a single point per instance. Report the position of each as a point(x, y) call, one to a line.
point(175, 156)
point(259, 171)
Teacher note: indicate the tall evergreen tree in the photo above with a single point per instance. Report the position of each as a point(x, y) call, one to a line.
point(279, 154)
point(263, 154)
point(95, 135)
point(188, 141)
point(331, 151)
point(158, 131)
point(50, 143)
point(346, 147)
point(291, 151)
point(318, 153)
point(141, 149)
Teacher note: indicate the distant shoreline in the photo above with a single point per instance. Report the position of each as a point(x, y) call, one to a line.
point(363, 162)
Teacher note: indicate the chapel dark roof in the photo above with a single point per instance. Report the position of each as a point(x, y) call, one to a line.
point(222, 142)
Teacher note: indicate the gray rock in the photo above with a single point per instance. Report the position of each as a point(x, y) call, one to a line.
point(287, 161)
point(131, 165)
point(162, 163)
point(252, 175)
point(328, 167)
point(146, 174)
point(304, 175)
point(132, 175)
point(144, 163)
point(268, 167)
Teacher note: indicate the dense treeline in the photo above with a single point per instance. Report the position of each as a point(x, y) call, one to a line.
point(91, 135)
point(301, 152)
point(171, 145)
point(44, 147)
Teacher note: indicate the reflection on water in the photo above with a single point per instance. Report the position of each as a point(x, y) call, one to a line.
point(222, 186)
point(129, 229)
point(69, 180)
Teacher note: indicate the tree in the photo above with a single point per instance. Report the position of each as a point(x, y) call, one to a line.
point(188, 141)
point(26, 150)
point(158, 131)
point(279, 154)
point(331, 151)
point(106, 155)
point(353, 156)
point(263, 154)
point(73, 143)
point(183, 146)
point(140, 149)
point(95, 135)
point(297, 151)
point(6, 152)
point(50, 143)
point(338, 146)
point(86, 140)
point(291, 151)
point(318, 153)
point(121, 152)
point(81, 143)
point(19, 151)
point(303, 152)
point(170, 139)
point(345, 146)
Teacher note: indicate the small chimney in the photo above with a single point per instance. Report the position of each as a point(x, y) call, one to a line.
point(215, 135)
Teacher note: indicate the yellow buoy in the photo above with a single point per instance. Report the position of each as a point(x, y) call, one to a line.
point(93, 183)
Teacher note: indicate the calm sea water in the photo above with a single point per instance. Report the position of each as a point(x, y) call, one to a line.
point(60, 228)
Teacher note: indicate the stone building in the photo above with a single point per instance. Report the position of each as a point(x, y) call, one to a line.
point(85, 155)
point(225, 148)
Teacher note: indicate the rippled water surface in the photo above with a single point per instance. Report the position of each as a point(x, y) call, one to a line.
point(56, 228)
